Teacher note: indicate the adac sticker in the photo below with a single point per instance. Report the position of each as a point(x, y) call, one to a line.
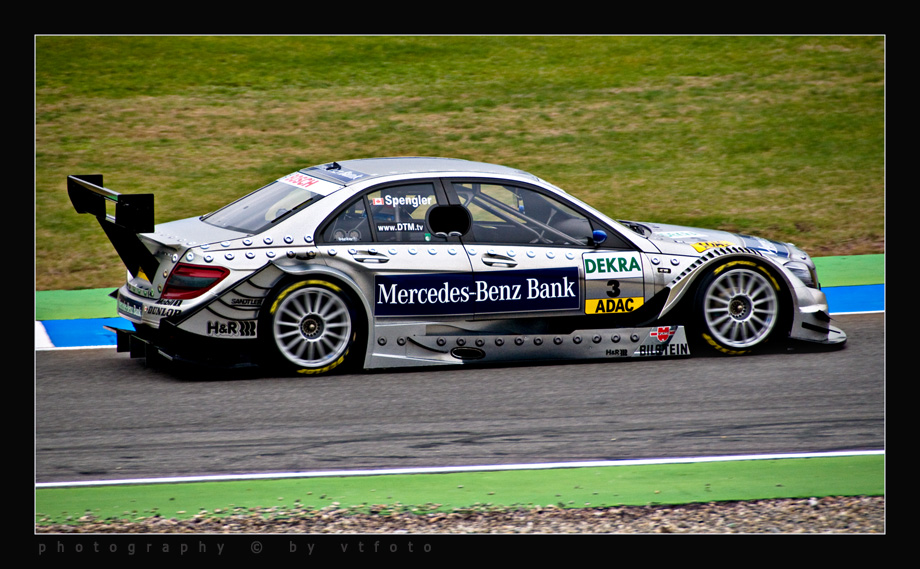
point(613, 305)
point(612, 264)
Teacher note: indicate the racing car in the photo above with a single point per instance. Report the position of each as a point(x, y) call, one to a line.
point(416, 261)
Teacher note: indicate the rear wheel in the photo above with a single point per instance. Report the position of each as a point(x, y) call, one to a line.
point(312, 327)
point(738, 306)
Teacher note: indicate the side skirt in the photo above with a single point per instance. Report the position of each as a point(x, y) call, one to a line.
point(421, 344)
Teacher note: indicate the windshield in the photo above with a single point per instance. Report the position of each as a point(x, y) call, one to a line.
point(257, 211)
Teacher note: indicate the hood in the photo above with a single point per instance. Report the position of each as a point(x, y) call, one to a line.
point(674, 239)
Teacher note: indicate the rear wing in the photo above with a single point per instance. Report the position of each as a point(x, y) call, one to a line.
point(133, 214)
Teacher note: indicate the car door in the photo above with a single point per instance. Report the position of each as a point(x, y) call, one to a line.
point(383, 240)
point(533, 255)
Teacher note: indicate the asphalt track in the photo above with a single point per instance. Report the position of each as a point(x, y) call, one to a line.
point(102, 416)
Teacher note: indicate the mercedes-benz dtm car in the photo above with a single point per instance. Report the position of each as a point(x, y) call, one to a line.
point(391, 262)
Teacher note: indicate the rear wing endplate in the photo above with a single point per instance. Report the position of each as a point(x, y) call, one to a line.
point(133, 214)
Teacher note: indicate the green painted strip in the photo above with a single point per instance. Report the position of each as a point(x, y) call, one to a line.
point(566, 487)
point(73, 304)
point(854, 270)
point(96, 303)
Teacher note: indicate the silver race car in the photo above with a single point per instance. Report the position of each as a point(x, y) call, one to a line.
point(394, 262)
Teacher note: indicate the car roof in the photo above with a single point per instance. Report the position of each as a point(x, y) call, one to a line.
point(380, 167)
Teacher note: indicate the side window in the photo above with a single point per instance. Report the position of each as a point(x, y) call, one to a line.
point(350, 226)
point(398, 212)
point(393, 214)
point(509, 214)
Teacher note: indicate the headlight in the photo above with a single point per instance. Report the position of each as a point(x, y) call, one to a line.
point(804, 272)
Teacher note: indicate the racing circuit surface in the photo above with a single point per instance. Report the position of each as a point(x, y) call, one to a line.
point(102, 416)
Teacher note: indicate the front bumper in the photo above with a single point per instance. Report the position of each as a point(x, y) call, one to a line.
point(812, 320)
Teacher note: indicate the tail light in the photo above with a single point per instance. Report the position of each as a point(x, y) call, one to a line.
point(189, 281)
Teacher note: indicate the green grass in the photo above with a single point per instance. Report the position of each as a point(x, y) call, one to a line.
point(778, 136)
point(421, 493)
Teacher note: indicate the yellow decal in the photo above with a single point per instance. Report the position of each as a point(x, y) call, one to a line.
point(613, 305)
point(703, 245)
point(750, 264)
point(322, 370)
point(718, 347)
point(296, 286)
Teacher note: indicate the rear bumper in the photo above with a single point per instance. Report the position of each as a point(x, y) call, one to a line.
point(172, 344)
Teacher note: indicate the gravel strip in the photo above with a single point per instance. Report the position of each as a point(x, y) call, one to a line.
point(851, 515)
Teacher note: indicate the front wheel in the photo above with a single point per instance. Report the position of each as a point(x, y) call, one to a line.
point(738, 306)
point(312, 327)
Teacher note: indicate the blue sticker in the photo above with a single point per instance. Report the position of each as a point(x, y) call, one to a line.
point(766, 245)
point(345, 176)
point(480, 293)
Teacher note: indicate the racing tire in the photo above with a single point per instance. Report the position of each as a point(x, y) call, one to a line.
point(311, 328)
point(738, 307)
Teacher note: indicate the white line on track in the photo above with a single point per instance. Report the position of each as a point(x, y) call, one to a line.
point(449, 469)
point(858, 312)
point(42, 340)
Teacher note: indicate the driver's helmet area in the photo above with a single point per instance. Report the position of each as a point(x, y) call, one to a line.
point(391, 214)
point(398, 213)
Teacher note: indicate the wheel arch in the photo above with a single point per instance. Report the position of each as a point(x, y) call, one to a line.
point(684, 287)
point(292, 273)
point(336, 277)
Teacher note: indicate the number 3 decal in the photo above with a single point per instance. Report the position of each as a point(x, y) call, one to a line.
point(614, 288)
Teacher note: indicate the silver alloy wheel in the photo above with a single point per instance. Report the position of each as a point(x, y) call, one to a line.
point(740, 308)
point(312, 326)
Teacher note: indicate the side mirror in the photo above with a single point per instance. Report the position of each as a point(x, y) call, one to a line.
point(599, 236)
